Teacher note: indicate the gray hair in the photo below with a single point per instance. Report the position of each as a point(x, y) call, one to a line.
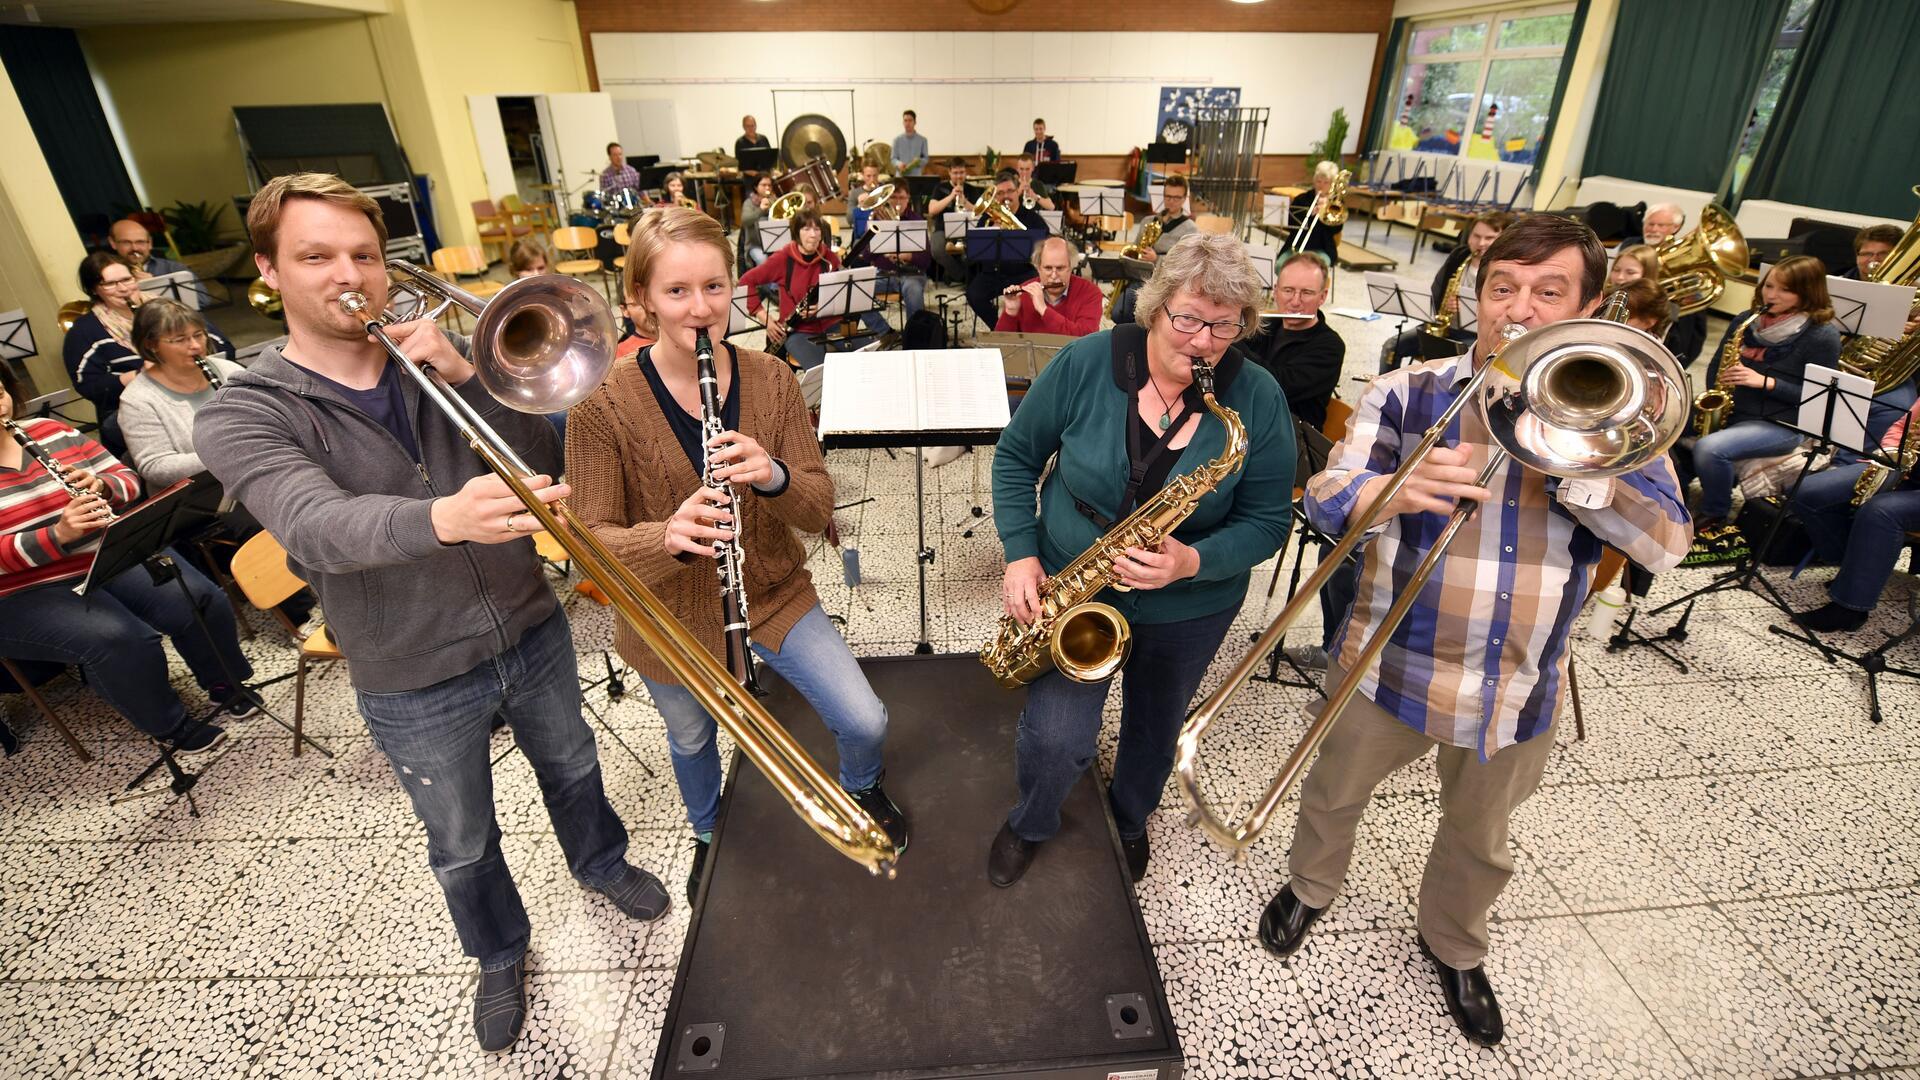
point(1667, 208)
point(1040, 251)
point(1327, 168)
point(1213, 267)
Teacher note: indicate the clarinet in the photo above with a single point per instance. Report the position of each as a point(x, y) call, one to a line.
point(206, 369)
point(55, 469)
point(731, 558)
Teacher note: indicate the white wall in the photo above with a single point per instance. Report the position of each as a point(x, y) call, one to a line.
point(1098, 91)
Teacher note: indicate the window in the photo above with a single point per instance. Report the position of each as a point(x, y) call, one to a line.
point(1481, 86)
point(1772, 81)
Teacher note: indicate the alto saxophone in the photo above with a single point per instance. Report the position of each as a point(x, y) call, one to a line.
point(1880, 477)
point(730, 557)
point(1711, 407)
point(1443, 315)
point(1088, 641)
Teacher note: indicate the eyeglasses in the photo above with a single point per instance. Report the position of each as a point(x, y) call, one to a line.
point(188, 338)
point(1224, 330)
point(1295, 294)
point(117, 282)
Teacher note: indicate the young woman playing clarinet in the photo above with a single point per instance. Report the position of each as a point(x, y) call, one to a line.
point(636, 454)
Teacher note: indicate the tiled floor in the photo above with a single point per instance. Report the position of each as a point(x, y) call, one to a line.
point(1719, 881)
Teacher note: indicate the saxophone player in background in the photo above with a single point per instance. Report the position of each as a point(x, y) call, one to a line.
point(636, 454)
point(1134, 387)
point(1443, 336)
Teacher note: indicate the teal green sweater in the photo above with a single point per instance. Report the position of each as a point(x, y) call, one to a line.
point(1078, 409)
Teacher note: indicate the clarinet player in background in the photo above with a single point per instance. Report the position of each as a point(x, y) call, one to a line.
point(637, 452)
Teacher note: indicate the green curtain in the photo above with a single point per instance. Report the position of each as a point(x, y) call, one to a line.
point(1560, 85)
point(1375, 136)
point(1846, 133)
point(1679, 81)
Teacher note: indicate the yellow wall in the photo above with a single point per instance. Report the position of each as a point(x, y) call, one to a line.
point(40, 250)
point(174, 87)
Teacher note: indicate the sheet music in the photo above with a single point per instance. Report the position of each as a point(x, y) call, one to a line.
point(1852, 399)
point(1468, 319)
point(180, 286)
point(1264, 258)
point(898, 237)
point(931, 390)
point(1870, 308)
point(16, 336)
point(961, 389)
point(1274, 209)
point(1054, 220)
point(1389, 295)
point(739, 320)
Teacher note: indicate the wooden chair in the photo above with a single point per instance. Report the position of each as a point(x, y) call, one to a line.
point(260, 569)
point(622, 236)
point(32, 692)
point(497, 226)
point(1214, 224)
point(579, 242)
point(453, 263)
point(537, 217)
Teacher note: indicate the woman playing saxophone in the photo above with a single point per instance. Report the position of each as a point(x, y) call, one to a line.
point(1123, 416)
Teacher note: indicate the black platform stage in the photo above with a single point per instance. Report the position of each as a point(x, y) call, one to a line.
point(799, 964)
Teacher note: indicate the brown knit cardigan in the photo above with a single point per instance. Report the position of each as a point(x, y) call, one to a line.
point(629, 475)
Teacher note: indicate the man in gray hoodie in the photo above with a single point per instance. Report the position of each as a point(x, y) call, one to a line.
point(422, 561)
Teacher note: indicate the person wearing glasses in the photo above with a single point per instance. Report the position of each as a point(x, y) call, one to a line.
point(1118, 414)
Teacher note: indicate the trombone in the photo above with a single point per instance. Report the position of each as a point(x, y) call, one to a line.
point(1584, 398)
point(539, 346)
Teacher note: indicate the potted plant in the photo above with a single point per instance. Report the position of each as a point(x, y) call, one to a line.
point(194, 229)
point(1328, 149)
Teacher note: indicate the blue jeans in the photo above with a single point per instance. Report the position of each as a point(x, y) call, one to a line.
point(1060, 727)
point(114, 637)
point(436, 740)
point(1714, 455)
point(912, 288)
point(809, 351)
point(816, 660)
point(1865, 545)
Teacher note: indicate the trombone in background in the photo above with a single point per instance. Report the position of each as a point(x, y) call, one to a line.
point(1330, 208)
point(1584, 398)
point(540, 345)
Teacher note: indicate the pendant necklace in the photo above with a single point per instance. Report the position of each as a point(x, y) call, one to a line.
point(1166, 414)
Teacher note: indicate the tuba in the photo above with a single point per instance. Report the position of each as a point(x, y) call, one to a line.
point(1088, 641)
point(788, 205)
point(1586, 398)
point(1890, 361)
point(997, 212)
point(1694, 268)
point(540, 345)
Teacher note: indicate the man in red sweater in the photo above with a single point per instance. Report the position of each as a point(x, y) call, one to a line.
point(1058, 301)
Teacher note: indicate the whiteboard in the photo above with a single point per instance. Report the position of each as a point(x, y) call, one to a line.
point(1097, 90)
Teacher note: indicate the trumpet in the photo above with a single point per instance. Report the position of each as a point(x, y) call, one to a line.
point(539, 346)
point(60, 473)
point(731, 555)
point(1586, 398)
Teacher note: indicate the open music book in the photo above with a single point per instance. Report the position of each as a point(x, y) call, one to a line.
point(931, 390)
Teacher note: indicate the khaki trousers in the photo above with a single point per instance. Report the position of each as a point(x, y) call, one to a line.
point(1469, 863)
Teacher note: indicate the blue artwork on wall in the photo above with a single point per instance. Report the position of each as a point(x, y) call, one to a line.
point(1177, 104)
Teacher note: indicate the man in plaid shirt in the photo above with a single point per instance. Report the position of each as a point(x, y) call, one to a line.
point(1476, 667)
point(618, 175)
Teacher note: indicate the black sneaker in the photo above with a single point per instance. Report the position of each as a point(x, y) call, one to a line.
point(638, 894)
point(198, 740)
point(500, 1007)
point(1831, 618)
point(235, 706)
point(699, 867)
point(1137, 853)
point(883, 811)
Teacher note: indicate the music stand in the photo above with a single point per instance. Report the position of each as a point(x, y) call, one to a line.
point(897, 239)
point(181, 287)
point(759, 159)
point(1101, 201)
point(986, 246)
point(1388, 295)
point(774, 235)
point(1870, 308)
point(16, 339)
point(1055, 220)
point(1055, 173)
point(739, 319)
point(1313, 448)
point(1833, 412)
point(1115, 267)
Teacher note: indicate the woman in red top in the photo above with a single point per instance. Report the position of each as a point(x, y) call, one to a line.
point(47, 543)
point(796, 269)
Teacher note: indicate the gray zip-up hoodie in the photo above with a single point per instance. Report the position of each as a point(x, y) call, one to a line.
point(353, 511)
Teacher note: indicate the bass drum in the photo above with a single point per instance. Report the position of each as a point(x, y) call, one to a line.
point(607, 249)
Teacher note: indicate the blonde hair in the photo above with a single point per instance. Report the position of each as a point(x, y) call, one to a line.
point(1644, 254)
point(1215, 268)
point(656, 229)
point(263, 214)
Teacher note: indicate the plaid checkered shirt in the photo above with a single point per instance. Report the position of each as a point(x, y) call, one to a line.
point(1481, 656)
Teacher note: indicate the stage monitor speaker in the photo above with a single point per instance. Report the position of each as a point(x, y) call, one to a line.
point(800, 964)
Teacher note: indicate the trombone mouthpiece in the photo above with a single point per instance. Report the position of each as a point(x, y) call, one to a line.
point(355, 302)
